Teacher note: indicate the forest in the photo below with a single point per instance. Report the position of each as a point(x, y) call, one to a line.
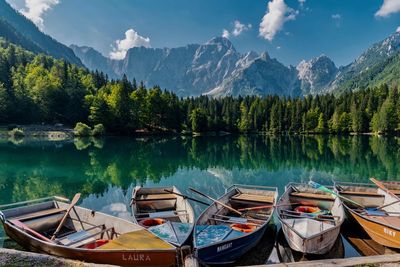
point(40, 89)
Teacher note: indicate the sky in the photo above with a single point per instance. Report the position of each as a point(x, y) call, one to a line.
point(289, 30)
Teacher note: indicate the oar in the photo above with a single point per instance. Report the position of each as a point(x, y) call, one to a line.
point(327, 190)
point(266, 206)
point(187, 197)
point(387, 205)
point(384, 188)
point(71, 206)
point(216, 201)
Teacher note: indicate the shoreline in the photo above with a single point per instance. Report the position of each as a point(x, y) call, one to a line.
point(63, 133)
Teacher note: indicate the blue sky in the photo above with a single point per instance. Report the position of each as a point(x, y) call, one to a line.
point(293, 30)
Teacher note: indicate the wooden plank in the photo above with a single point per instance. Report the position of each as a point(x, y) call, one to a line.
point(364, 245)
point(156, 197)
point(253, 198)
point(38, 214)
point(393, 258)
point(360, 193)
point(312, 195)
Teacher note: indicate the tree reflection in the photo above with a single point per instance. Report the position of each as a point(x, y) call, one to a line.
point(36, 169)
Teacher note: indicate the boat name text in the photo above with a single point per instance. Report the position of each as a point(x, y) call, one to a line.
point(389, 232)
point(224, 247)
point(135, 257)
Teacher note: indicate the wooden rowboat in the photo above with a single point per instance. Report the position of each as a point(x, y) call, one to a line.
point(86, 235)
point(167, 215)
point(382, 225)
point(221, 236)
point(309, 233)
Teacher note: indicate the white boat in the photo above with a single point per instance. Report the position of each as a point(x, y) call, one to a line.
point(310, 218)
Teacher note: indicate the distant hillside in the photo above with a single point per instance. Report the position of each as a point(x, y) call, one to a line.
point(22, 31)
point(378, 64)
point(9, 33)
point(385, 71)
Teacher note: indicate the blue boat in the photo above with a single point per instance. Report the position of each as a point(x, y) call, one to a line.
point(222, 236)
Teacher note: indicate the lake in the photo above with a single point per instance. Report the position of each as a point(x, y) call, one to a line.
point(106, 170)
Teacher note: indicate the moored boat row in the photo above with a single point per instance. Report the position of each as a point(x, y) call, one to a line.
point(163, 221)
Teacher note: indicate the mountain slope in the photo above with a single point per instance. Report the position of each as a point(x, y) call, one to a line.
point(386, 71)
point(93, 60)
point(30, 32)
point(9, 33)
point(262, 76)
point(350, 76)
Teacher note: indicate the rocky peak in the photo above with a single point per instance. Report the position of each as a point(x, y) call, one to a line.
point(316, 74)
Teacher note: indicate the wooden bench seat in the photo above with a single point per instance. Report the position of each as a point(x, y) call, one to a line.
point(156, 197)
point(361, 193)
point(38, 214)
point(312, 195)
point(253, 198)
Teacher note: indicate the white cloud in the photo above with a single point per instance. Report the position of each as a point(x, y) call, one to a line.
point(132, 39)
point(278, 47)
point(239, 28)
point(388, 7)
point(275, 17)
point(398, 29)
point(226, 33)
point(34, 10)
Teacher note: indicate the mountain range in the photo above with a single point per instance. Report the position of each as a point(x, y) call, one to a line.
point(216, 68)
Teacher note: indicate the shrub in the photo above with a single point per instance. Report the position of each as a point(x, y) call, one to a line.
point(16, 133)
point(98, 130)
point(82, 129)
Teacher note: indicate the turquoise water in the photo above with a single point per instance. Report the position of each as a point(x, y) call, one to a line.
point(106, 170)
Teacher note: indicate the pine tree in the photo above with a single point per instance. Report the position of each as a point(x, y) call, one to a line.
point(321, 127)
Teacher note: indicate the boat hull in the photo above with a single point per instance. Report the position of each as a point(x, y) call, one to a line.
point(117, 257)
point(229, 251)
point(320, 244)
point(382, 234)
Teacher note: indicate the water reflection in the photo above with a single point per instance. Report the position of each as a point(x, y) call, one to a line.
point(91, 166)
point(106, 170)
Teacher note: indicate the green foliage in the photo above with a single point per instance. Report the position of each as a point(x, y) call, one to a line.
point(98, 130)
point(245, 119)
point(82, 129)
point(321, 127)
point(198, 120)
point(385, 120)
point(41, 89)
